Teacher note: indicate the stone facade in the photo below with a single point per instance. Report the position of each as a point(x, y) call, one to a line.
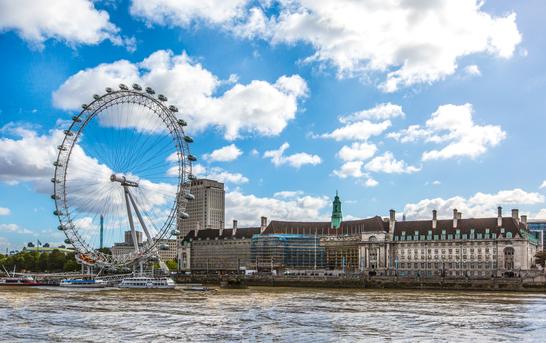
point(458, 247)
point(214, 250)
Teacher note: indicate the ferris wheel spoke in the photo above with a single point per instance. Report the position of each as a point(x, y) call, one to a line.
point(156, 150)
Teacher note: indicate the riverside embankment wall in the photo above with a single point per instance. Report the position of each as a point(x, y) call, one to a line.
point(537, 284)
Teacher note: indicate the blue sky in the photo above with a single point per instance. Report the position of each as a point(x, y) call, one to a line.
point(253, 75)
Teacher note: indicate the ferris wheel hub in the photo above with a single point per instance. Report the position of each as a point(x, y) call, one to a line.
point(123, 180)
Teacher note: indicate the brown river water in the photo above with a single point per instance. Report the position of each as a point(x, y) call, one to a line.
point(266, 314)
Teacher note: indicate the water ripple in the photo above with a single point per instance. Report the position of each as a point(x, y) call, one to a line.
point(270, 315)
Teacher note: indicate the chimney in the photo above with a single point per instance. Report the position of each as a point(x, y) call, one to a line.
point(392, 220)
point(455, 217)
point(403, 217)
point(434, 219)
point(263, 224)
point(524, 219)
point(459, 215)
point(515, 214)
point(499, 216)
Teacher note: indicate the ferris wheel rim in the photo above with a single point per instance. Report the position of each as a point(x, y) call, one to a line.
point(70, 140)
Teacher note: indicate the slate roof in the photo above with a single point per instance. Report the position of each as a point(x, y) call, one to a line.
point(348, 227)
point(373, 224)
point(242, 232)
point(464, 225)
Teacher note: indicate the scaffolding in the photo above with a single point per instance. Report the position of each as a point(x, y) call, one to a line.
point(287, 251)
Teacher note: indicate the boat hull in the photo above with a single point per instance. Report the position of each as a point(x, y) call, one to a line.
point(147, 283)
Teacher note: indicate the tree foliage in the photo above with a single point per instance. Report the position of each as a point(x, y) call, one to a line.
point(33, 261)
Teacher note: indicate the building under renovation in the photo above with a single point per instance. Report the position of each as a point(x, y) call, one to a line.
point(454, 247)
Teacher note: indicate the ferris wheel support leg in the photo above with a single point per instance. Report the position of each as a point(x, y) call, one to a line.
point(133, 232)
point(140, 218)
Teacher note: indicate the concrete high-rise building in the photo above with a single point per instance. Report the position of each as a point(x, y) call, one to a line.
point(129, 237)
point(207, 211)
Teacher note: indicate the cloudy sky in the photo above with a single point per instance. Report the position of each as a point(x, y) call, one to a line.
point(406, 104)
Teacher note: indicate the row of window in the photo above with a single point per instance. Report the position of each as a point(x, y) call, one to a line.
point(450, 265)
point(445, 244)
point(443, 251)
point(449, 257)
point(443, 237)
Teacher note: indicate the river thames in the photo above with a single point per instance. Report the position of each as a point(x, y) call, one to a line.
point(269, 315)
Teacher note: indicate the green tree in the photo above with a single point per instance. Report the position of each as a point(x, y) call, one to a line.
point(42, 262)
point(29, 261)
point(70, 265)
point(56, 261)
point(172, 265)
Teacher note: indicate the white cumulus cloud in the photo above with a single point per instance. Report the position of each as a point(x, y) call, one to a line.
point(359, 131)
point(14, 228)
point(288, 194)
point(386, 163)
point(454, 127)
point(357, 151)
point(257, 107)
point(296, 160)
point(183, 13)
point(70, 21)
point(28, 156)
point(406, 42)
point(218, 174)
point(379, 112)
point(4, 211)
point(225, 154)
point(472, 70)
point(371, 182)
point(350, 169)
point(248, 208)
point(478, 205)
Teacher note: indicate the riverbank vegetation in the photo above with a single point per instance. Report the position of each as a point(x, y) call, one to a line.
point(34, 261)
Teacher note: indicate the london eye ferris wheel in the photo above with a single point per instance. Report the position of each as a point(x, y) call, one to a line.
point(122, 175)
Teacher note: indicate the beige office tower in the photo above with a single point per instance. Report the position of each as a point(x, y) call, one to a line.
point(207, 211)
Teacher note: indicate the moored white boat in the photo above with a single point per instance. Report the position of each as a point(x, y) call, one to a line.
point(83, 283)
point(145, 282)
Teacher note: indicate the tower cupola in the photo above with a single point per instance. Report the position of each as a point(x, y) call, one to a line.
point(336, 213)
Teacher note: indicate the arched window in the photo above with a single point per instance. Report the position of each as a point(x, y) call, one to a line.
point(372, 239)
